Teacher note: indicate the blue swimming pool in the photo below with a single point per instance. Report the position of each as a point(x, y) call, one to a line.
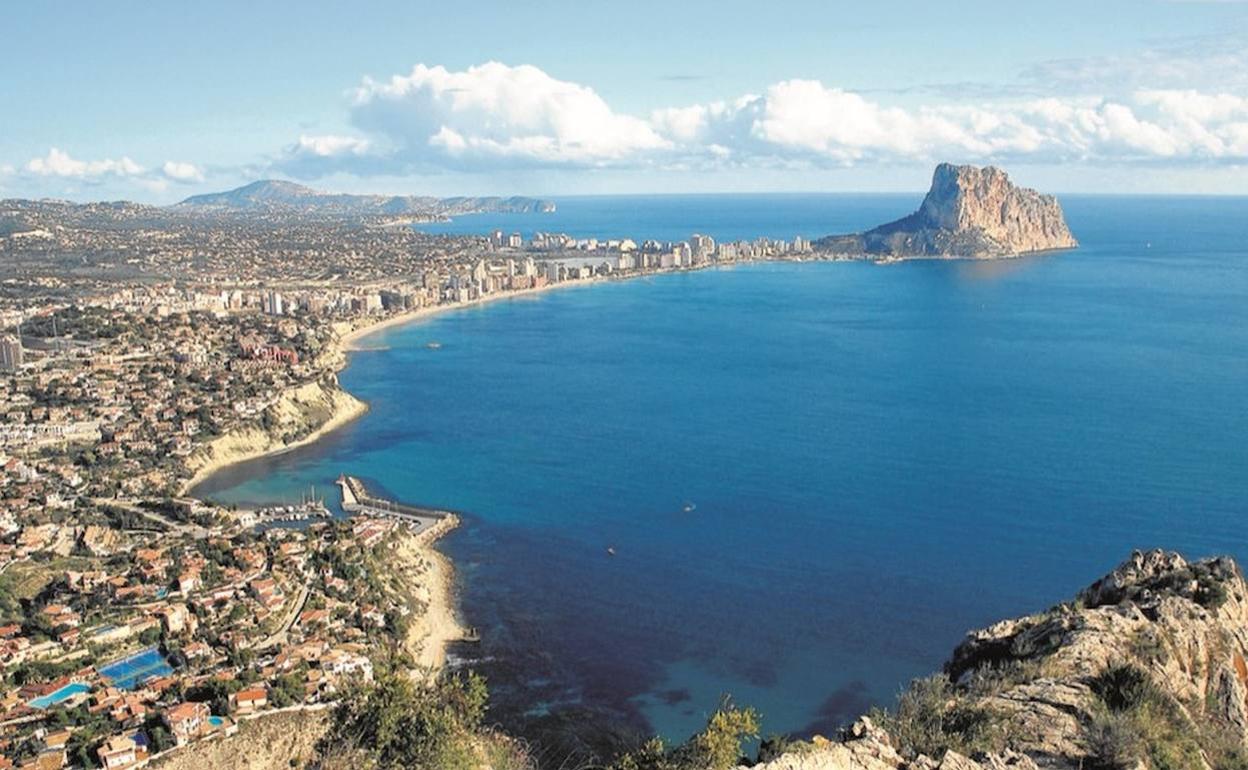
point(131, 671)
point(59, 695)
point(216, 721)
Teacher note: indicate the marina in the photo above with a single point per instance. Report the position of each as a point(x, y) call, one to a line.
point(357, 501)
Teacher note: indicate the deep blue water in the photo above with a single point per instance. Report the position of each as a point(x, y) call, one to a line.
point(676, 217)
point(881, 457)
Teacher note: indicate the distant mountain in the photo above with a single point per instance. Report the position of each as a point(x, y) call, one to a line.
point(273, 195)
point(968, 212)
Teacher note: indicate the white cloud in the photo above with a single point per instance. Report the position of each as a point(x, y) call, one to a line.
point(494, 110)
point(482, 117)
point(807, 121)
point(494, 116)
point(182, 172)
point(330, 145)
point(59, 163)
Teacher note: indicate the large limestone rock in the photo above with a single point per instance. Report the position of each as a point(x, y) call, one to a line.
point(969, 212)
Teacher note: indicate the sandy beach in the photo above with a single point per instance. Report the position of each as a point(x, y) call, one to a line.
point(237, 446)
point(245, 444)
point(431, 579)
point(349, 340)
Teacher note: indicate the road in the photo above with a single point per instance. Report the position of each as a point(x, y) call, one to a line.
point(191, 530)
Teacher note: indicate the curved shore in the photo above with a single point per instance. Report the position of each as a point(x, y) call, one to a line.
point(333, 408)
point(252, 443)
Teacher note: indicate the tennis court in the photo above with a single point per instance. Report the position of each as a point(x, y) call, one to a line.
point(132, 671)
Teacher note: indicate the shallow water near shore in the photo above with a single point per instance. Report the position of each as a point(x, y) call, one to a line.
point(879, 458)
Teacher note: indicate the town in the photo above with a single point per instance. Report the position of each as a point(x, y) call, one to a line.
point(136, 619)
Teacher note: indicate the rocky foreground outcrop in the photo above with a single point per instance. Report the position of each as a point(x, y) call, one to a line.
point(1145, 669)
point(969, 212)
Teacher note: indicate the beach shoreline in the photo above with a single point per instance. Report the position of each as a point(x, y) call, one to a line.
point(440, 625)
point(253, 443)
point(240, 446)
point(348, 342)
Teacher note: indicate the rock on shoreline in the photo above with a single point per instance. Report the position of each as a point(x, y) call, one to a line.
point(300, 416)
point(1145, 669)
point(969, 212)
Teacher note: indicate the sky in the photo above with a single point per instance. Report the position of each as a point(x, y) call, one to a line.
point(158, 101)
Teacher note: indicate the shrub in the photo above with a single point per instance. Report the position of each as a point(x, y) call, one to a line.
point(718, 747)
point(931, 718)
point(1124, 687)
point(399, 725)
point(1139, 721)
point(1114, 741)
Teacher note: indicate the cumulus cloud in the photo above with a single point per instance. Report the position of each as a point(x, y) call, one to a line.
point(498, 116)
point(802, 118)
point(182, 172)
point(59, 163)
point(493, 111)
point(485, 116)
point(329, 146)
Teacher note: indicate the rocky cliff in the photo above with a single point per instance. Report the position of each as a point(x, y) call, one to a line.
point(300, 416)
point(1145, 669)
point(969, 212)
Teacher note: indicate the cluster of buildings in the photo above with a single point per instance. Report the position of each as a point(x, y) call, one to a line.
point(162, 644)
point(145, 621)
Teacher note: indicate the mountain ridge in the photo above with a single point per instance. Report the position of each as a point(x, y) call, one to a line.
point(279, 195)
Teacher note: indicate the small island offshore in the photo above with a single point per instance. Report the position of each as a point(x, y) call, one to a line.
point(147, 348)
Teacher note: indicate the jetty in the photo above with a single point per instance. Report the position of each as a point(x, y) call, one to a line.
point(357, 500)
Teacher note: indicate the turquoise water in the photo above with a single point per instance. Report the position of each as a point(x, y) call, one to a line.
point(881, 458)
point(59, 695)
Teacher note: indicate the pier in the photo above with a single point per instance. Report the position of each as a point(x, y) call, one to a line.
point(356, 500)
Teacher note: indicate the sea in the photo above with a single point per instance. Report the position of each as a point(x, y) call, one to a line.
point(814, 478)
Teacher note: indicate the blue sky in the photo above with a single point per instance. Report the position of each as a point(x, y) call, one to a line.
point(158, 101)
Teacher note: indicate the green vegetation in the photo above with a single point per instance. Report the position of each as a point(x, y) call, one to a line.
point(1137, 722)
point(932, 719)
point(397, 724)
point(718, 747)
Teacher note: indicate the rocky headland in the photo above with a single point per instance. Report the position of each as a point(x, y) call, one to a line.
point(1144, 669)
point(969, 212)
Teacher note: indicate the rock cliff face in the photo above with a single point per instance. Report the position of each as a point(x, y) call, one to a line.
point(300, 416)
point(1145, 669)
point(969, 212)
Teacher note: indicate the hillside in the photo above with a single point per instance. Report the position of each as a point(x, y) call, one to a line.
point(272, 195)
point(1144, 669)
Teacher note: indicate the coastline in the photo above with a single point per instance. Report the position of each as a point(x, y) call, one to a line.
point(252, 443)
point(241, 445)
point(349, 341)
point(348, 338)
point(432, 574)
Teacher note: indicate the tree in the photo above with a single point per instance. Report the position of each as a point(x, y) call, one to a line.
point(403, 726)
point(718, 747)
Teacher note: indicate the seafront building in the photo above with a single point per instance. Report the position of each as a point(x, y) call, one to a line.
point(11, 354)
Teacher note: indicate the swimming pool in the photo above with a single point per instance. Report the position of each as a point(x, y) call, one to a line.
point(216, 721)
point(59, 695)
point(129, 672)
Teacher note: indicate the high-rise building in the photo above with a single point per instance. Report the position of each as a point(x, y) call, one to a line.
point(701, 247)
point(273, 303)
point(11, 355)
